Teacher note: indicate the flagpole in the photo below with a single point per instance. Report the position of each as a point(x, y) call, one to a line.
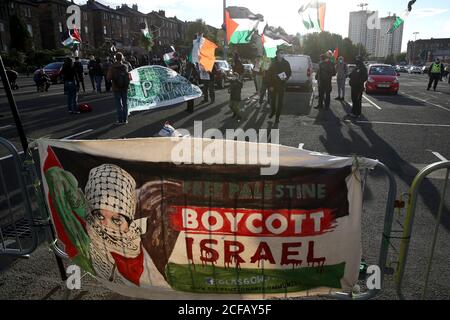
point(225, 44)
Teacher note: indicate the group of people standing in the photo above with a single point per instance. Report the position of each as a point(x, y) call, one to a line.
point(115, 74)
point(328, 69)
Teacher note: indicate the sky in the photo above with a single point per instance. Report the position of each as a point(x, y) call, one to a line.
point(431, 18)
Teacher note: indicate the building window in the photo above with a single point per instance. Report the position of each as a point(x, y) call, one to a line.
point(11, 5)
point(60, 27)
point(28, 12)
point(85, 16)
point(30, 29)
point(104, 30)
point(86, 30)
point(2, 27)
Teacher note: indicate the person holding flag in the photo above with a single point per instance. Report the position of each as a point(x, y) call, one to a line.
point(324, 77)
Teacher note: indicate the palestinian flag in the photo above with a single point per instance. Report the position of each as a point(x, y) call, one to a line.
point(71, 40)
point(398, 22)
point(241, 23)
point(313, 15)
point(271, 42)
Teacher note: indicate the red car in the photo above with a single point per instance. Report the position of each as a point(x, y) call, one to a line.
point(53, 70)
point(383, 78)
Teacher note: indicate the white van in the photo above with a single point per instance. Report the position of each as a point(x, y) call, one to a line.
point(302, 72)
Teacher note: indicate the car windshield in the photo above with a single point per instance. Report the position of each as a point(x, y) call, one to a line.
point(53, 66)
point(382, 71)
point(222, 64)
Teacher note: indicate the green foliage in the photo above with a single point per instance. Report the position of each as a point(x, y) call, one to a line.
point(315, 44)
point(390, 59)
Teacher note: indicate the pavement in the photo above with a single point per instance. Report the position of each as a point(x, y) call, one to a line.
point(406, 132)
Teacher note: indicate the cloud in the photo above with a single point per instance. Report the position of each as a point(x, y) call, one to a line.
point(428, 12)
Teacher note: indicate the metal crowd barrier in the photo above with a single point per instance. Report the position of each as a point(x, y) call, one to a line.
point(409, 222)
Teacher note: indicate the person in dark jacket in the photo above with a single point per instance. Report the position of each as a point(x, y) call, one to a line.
point(70, 78)
point(358, 78)
point(235, 96)
point(324, 76)
point(278, 73)
point(98, 74)
point(91, 67)
point(105, 68)
point(80, 73)
point(238, 65)
point(119, 76)
point(12, 78)
point(435, 72)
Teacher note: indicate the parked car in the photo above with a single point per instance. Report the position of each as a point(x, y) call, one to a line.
point(401, 68)
point(53, 70)
point(415, 69)
point(382, 78)
point(302, 72)
point(223, 73)
point(248, 71)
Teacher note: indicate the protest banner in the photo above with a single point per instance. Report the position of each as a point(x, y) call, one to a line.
point(154, 87)
point(147, 227)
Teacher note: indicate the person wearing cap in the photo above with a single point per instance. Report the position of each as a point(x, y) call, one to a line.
point(116, 248)
point(358, 78)
point(279, 73)
point(324, 77)
point(435, 72)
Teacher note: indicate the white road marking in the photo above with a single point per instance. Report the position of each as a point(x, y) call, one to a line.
point(405, 124)
point(423, 100)
point(372, 103)
point(439, 156)
point(77, 134)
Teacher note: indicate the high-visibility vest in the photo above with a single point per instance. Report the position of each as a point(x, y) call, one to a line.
point(436, 68)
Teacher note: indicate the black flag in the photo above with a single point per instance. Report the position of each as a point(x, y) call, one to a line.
point(410, 4)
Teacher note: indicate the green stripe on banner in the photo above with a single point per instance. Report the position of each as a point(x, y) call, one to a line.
point(271, 52)
point(240, 37)
point(398, 22)
point(209, 279)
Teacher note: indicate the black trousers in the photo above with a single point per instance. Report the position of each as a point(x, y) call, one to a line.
point(209, 90)
point(357, 95)
point(324, 94)
point(277, 101)
point(435, 79)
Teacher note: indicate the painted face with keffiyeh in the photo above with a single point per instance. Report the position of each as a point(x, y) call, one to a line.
point(111, 195)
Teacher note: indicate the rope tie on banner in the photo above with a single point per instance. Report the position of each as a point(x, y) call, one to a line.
point(356, 168)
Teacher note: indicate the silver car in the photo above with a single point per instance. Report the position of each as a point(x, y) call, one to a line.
point(302, 72)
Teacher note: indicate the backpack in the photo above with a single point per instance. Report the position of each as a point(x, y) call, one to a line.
point(121, 77)
point(84, 108)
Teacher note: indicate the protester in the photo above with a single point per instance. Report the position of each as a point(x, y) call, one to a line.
point(342, 73)
point(238, 66)
point(235, 90)
point(91, 67)
point(279, 73)
point(42, 81)
point(70, 78)
point(119, 75)
point(324, 77)
point(358, 77)
point(265, 65)
point(105, 68)
point(435, 72)
point(258, 74)
point(98, 75)
point(208, 81)
point(80, 74)
point(12, 78)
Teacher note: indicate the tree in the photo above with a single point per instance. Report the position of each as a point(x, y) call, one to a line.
point(21, 40)
point(401, 57)
point(390, 59)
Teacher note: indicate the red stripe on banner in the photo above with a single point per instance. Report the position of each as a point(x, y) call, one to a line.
point(253, 223)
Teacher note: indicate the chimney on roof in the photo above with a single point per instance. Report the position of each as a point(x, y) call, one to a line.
point(162, 13)
point(135, 7)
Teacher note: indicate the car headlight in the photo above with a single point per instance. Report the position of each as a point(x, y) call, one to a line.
point(370, 80)
point(395, 81)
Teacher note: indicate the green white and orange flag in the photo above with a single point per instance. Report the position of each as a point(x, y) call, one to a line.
point(204, 53)
point(313, 15)
point(241, 23)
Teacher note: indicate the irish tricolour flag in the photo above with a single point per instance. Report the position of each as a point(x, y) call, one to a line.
point(241, 23)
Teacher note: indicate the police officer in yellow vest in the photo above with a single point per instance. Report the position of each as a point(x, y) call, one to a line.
point(435, 73)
